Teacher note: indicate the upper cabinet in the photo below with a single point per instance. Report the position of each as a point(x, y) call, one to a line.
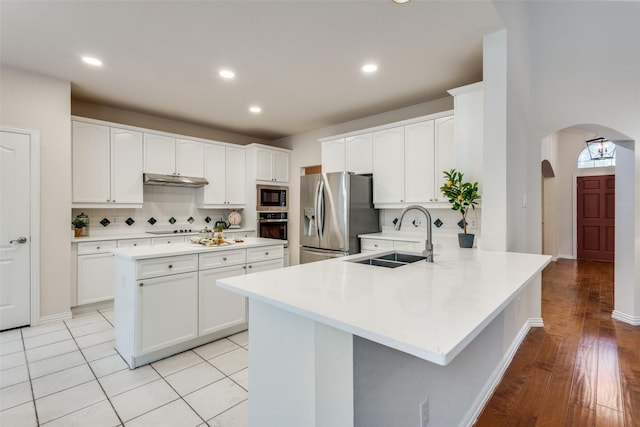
point(352, 154)
point(388, 166)
point(106, 166)
point(269, 164)
point(224, 168)
point(173, 156)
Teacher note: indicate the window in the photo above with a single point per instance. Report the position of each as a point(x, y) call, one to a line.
point(584, 160)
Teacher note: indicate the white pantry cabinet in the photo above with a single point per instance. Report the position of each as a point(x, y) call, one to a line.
point(106, 166)
point(173, 156)
point(272, 165)
point(224, 168)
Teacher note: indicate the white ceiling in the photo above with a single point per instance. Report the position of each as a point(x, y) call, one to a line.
point(299, 60)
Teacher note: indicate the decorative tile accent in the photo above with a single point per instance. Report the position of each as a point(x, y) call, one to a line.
point(172, 220)
point(152, 220)
point(207, 220)
point(105, 222)
point(190, 220)
point(395, 221)
point(461, 224)
point(438, 223)
point(129, 221)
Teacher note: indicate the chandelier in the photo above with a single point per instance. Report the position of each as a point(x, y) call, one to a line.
point(601, 148)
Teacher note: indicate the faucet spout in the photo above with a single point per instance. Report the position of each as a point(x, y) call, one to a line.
point(428, 244)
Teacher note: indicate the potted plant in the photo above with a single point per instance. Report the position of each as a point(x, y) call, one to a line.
point(78, 224)
point(462, 196)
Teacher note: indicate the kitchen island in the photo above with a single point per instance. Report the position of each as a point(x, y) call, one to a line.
point(350, 344)
point(166, 300)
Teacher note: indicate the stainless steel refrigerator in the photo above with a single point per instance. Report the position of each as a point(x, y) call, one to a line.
point(334, 209)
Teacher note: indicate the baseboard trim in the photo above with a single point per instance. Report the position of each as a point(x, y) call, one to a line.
point(495, 378)
point(55, 317)
point(623, 317)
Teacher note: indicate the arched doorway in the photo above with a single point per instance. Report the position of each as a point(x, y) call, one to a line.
point(559, 201)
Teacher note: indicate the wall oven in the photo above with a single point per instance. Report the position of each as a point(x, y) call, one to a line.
point(272, 198)
point(273, 225)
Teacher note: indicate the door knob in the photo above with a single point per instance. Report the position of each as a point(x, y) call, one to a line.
point(19, 240)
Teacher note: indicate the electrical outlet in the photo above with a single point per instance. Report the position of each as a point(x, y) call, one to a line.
point(424, 413)
point(473, 223)
point(417, 222)
point(114, 220)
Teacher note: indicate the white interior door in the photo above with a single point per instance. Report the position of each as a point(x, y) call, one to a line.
point(15, 229)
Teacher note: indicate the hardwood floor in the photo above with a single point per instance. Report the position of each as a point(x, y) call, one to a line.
point(582, 368)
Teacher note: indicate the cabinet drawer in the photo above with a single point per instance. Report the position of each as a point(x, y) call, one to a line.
point(265, 253)
point(221, 259)
point(96, 247)
point(375, 244)
point(134, 242)
point(166, 265)
point(408, 246)
point(167, 240)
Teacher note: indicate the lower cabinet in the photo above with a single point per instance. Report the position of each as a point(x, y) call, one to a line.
point(220, 309)
point(95, 272)
point(376, 245)
point(167, 308)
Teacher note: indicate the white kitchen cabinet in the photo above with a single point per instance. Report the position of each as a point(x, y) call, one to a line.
point(376, 245)
point(230, 235)
point(220, 309)
point(388, 166)
point(127, 243)
point(445, 153)
point(334, 156)
point(258, 267)
point(419, 156)
point(166, 311)
point(265, 253)
point(272, 165)
point(170, 156)
point(106, 166)
point(359, 153)
point(95, 276)
point(224, 168)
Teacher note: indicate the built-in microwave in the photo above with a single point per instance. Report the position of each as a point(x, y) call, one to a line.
point(272, 198)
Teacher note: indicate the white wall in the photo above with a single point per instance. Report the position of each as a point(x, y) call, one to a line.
point(307, 152)
point(36, 102)
point(572, 63)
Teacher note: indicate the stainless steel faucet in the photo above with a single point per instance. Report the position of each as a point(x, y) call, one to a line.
point(428, 244)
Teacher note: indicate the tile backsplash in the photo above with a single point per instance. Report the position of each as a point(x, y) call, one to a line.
point(444, 221)
point(164, 208)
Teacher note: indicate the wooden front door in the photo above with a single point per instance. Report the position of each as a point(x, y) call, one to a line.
point(596, 217)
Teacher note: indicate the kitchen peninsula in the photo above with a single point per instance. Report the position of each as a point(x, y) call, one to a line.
point(166, 298)
point(349, 344)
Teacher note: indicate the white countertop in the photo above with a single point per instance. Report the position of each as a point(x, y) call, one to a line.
point(143, 235)
point(156, 251)
point(429, 310)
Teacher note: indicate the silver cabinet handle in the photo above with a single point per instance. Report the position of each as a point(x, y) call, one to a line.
point(97, 248)
point(170, 265)
point(266, 254)
point(250, 267)
point(141, 284)
point(19, 240)
point(224, 259)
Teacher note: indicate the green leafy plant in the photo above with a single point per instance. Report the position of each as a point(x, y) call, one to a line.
point(77, 223)
point(461, 195)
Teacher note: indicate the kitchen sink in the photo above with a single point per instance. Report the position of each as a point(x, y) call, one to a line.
point(391, 260)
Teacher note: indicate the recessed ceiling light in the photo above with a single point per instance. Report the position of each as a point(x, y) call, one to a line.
point(92, 61)
point(369, 68)
point(255, 109)
point(227, 74)
point(400, 1)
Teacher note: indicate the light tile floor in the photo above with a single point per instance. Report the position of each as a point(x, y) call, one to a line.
point(68, 374)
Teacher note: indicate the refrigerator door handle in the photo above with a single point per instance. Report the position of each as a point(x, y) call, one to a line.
point(320, 213)
point(315, 209)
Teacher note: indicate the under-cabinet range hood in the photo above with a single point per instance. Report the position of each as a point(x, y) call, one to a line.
point(173, 180)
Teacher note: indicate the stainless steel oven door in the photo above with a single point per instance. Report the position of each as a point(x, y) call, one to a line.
point(273, 228)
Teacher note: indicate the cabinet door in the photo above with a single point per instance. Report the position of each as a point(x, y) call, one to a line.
point(419, 152)
point(280, 166)
point(167, 311)
point(235, 175)
point(95, 278)
point(219, 308)
point(167, 240)
point(388, 165)
point(90, 160)
point(333, 156)
point(159, 154)
point(189, 156)
point(126, 166)
point(445, 152)
point(263, 165)
point(214, 171)
point(360, 153)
